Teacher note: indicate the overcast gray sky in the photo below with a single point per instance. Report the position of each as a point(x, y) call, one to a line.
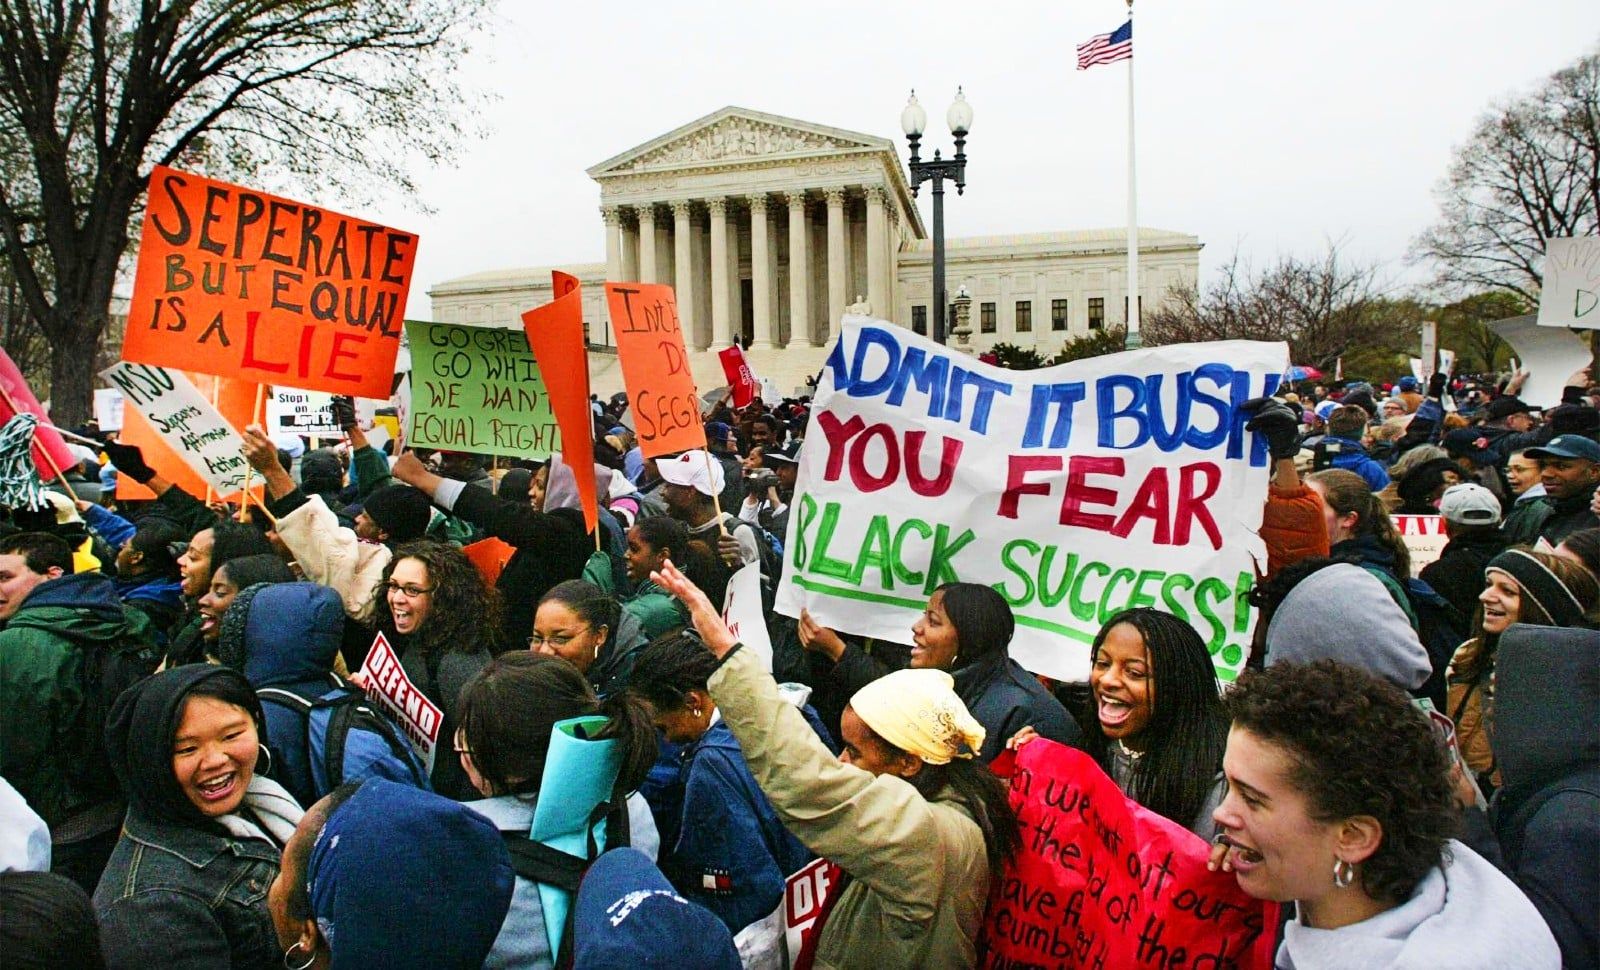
point(1266, 126)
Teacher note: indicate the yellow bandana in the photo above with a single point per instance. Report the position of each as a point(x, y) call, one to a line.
point(918, 711)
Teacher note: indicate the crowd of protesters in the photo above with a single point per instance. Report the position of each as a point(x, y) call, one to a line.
point(193, 775)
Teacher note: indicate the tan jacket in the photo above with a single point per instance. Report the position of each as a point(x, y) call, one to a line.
point(330, 554)
point(919, 878)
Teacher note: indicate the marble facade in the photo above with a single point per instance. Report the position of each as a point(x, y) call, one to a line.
point(769, 228)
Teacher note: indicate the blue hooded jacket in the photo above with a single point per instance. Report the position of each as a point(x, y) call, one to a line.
point(732, 853)
point(285, 635)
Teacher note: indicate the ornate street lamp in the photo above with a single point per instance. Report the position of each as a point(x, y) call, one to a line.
point(913, 120)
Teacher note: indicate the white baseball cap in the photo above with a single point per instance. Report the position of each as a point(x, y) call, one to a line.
point(696, 469)
point(1470, 504)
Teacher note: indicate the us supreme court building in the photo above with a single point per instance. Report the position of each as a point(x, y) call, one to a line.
point(771, 228)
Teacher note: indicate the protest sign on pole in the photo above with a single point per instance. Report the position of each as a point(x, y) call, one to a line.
point(233, 399)
point(291, 410)
point(388, 685)
point(1570, 294)
point(108, 408)
point(185, 421)
point(1101, 881)
point(243, 284)
point(655, 368)
point(477, 389)
point(555, 334)
point(1424, 538)
point(1076, 490)
point(740, 378)
point(1549, 354)
point(743, 613)
point(50, 452)
point(1428, 358)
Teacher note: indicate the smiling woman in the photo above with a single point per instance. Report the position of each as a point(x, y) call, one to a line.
point(1357, 833)
point(186, 886)
point(1519, 586)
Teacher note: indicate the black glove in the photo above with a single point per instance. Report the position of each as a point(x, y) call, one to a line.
point(129, 461)
point(1275, 420)
point(1437, 384)
point(344, 411)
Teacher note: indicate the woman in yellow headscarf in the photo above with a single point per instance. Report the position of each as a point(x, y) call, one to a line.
point(917, 826)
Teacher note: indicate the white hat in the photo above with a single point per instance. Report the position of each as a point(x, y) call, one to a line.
point(696, 469)
point(1470, 504)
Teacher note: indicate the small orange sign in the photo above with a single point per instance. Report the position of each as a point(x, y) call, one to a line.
point(655, 368)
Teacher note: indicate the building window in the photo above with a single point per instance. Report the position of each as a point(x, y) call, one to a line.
point(1097, 312)
point(919, 320)
point(1024, 316)
point(986, 318)
point(1125, 308)
point(1058, 314)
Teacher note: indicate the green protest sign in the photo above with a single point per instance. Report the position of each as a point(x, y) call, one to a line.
point(477, 389)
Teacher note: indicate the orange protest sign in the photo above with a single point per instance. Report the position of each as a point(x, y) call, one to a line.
point(655, 368)
point(243, 284)
point(490, 556)
point(234, 400)
point(555, 333)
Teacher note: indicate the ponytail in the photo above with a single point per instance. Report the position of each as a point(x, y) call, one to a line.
point(1346, 493)
point(630, 722)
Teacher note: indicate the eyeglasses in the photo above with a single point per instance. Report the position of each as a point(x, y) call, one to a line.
point(411, 592)
point(558, 640)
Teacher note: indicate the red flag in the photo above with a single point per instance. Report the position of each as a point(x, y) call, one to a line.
point(739, 376)
point(15, 397)
point(555, 332)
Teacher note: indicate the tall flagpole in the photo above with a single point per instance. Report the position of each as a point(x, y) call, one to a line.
point(1133, 339)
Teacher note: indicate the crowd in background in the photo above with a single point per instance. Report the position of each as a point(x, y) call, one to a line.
point(193, 774)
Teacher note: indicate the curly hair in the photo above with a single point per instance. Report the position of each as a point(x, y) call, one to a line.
point(1357, 746)
point(465, 612)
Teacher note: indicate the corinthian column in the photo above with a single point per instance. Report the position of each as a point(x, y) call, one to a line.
point(613, 219)
point(647, 243)
point(760, 272)
point(721, 325)
point(683, 282)
point(799, 272)
point(878, 253)
point(837, 297)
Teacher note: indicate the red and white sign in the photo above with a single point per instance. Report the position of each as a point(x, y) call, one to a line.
point(806, 898)
point(1424, 537)
point(740, 377)
point(388, 684)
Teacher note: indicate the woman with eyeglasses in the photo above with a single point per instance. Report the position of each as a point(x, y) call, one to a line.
point(441, 618)
point(583, 625)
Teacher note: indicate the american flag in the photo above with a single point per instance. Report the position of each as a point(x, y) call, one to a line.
point(1106, 48)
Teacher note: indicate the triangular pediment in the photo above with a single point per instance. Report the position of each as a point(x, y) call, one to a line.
point(733, 135)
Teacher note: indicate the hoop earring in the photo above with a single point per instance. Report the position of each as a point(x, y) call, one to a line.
point(311, 957)
point(266, 755)
point(1343, 873)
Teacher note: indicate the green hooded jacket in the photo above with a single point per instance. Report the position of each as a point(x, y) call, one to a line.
point(51, 748)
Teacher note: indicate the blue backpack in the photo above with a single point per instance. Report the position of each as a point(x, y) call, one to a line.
point(349, 739)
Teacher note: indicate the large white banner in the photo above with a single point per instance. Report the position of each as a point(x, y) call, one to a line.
point(194, 429)
point(1076, 491)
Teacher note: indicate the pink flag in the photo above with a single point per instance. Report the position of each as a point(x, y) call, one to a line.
point(15, 397)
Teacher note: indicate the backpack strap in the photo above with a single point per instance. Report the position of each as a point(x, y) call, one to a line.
point(287, 698)
point(537, 862)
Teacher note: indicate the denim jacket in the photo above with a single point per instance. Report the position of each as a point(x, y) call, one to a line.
point(175, 896)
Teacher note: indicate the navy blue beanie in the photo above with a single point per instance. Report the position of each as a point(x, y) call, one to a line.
point(402, 878)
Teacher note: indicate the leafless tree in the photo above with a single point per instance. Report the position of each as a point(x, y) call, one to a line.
point(1530, 171)
point(298, 92)
point(1323, 307)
